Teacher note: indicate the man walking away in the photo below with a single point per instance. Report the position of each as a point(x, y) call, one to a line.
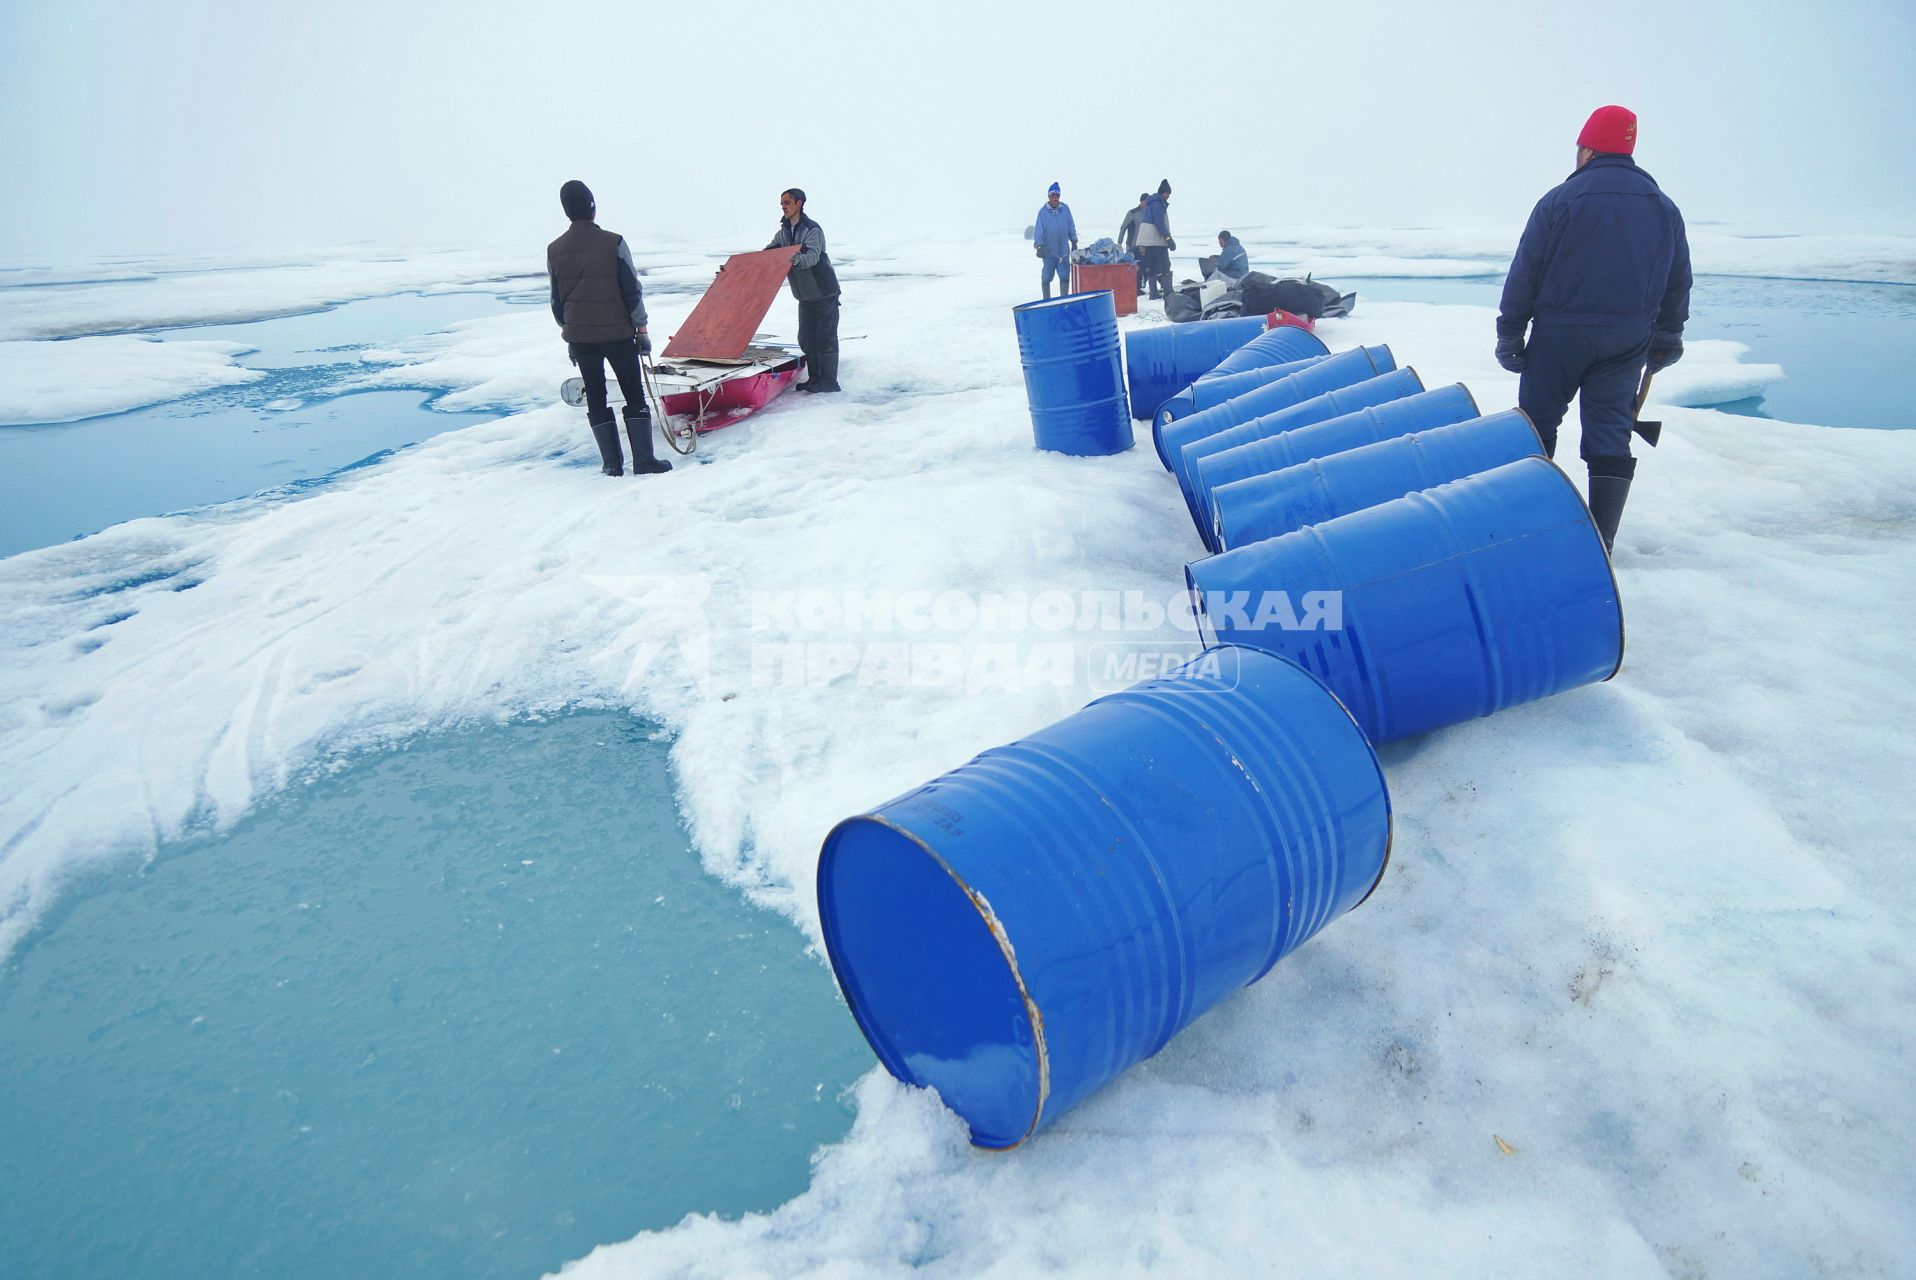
point(815, 285)
point(600, 308)
point(1155, 242)
point(1128, 237)
point(1602, 279)
point(1233, 263)
point(1055, 235)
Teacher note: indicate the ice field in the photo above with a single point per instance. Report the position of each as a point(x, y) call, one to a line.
point(1634, 994)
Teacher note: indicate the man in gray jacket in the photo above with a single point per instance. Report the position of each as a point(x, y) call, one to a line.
point(815, 285)
point(600, 307)
point(1128, 237)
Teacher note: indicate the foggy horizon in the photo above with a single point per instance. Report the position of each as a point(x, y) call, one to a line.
point(215, 130)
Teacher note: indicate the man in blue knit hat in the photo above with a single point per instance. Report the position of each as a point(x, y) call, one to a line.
point(1054, 236)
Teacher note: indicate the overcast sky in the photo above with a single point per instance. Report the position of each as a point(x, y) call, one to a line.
point(216, 127)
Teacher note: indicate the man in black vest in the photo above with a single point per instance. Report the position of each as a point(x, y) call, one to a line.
point(815, 285)
point(600, 308)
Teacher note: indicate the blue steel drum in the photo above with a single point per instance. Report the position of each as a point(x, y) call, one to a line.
point(1275, 503)
point(1074, 378)
point(1396, 385)
point(1162, 359)
point(1455, 601)
point(1279, 344)
point(1341, 370)
point(1200, 396)
point(1280, 440)
point(1019, 931)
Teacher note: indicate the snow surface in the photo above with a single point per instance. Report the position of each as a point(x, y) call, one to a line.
point(90, 377)
point(1654, 937)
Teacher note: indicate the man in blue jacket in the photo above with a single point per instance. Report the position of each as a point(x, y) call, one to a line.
point(1055, 235)
point(1233, 263)
point(1602, 281)
point(1155, 244)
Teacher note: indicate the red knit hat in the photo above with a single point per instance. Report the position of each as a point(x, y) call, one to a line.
point(1612, 129)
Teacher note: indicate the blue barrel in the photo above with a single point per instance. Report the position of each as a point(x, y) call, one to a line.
point(1074, 378)
point(1207, 391)
point(1275, 503)
point(1280, 344)
point(1396, 385)
point(1328, 374)
point(1162, 359)
point(1283, 440)
point(1448, 604)
point(1022, 929)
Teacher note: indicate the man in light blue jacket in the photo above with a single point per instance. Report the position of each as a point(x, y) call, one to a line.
point(1054, 236)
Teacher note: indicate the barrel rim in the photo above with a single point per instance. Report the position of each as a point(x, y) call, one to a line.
point(1083, 295)
point(1609, 567)
point(1034, 1017)
point(1370, 748)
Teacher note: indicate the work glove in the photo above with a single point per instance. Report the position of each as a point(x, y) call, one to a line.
point(1170, 244)
point(1040, 250)
point(1510, 354)
point(645, 344)
point(1664, 352)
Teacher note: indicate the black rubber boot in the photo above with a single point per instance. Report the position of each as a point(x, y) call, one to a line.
point(638, 431)
point(606, 432)
point(825, 371)
point(1609, 490)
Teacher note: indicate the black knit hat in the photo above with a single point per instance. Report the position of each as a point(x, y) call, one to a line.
point(1164, 186)
point(577, 199)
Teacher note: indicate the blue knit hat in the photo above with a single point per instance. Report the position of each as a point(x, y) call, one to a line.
point(1052, 190)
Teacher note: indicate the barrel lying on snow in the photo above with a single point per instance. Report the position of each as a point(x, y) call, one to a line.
point(1160, 360)
point(1354, 416)
point(1451, 603)
point(1016, 933)
point(1346, 368)
point(1278, 502)
point(1074, 376)
point(1396, 385)
point(1281, 344)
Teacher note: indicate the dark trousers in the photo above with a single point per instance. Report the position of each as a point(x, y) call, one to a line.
point(818, 327)
point(1157, 269)
point(1602, 365)
point(623, 356)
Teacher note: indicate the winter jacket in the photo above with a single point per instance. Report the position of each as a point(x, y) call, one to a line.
point(1128, 229)
point(1232, 260)
point(811, 276)
point(596, 295)
point(1606, 247)
point(1155, 227)
point(1055, 232)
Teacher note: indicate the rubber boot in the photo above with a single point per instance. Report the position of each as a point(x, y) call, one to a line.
point(606, 432)
point(811, 374)
point(825, 371)
point(1609, 490)
point(638, 431)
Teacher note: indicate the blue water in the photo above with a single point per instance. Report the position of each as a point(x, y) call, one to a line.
point(1843, 346)
point(62, 480)
point(465, 1009)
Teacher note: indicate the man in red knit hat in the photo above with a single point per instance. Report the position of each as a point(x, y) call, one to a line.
point(1601, 280)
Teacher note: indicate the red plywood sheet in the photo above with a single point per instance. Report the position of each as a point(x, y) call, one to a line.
point(722, 325)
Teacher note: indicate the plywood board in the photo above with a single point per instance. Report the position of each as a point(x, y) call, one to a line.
point(724, 322)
